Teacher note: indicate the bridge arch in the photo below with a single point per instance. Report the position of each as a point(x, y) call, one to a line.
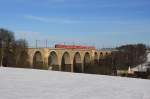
point(101, 54)
point(66, 62)
point(106, 53)
point(53, 61)
point(77, 63)
point(101, 58)
point(96, 58)
point(38, 60)
point(87, 61)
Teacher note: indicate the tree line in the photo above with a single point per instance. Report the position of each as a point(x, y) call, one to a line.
point(13, 52)
point(130, 55)
point(121, 58)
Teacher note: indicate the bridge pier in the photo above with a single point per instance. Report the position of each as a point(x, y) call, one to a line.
point(82, 65)
point(66, 68)
point(72, 68)
point(59, 67)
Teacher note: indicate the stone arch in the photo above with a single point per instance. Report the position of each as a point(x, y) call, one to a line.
point(106, 53)
point(101, 54)
point(95, 58)
point(87, 61)
point(101, 58)
point(66, 62)
point(77, 63)
point(53, 61)
point(38, 60)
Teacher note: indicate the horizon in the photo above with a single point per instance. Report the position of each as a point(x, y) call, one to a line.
point(108, 23)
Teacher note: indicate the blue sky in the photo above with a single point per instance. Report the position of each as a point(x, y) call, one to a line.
point(103, 23)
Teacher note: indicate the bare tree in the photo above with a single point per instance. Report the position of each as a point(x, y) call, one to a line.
point(13, 52)
point(20, 53)
point(6, 40)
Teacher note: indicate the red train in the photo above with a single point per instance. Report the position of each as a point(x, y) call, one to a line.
point(74, 46)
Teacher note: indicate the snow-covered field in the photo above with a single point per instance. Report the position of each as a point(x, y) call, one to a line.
point(148, 57)
point(143, 67)
point(40, 84)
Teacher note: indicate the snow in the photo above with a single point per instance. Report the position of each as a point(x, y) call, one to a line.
point(18, 83)
point(143, 67)
point(148, 57)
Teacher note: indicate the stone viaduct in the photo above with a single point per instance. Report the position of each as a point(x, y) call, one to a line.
point(70, 60)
